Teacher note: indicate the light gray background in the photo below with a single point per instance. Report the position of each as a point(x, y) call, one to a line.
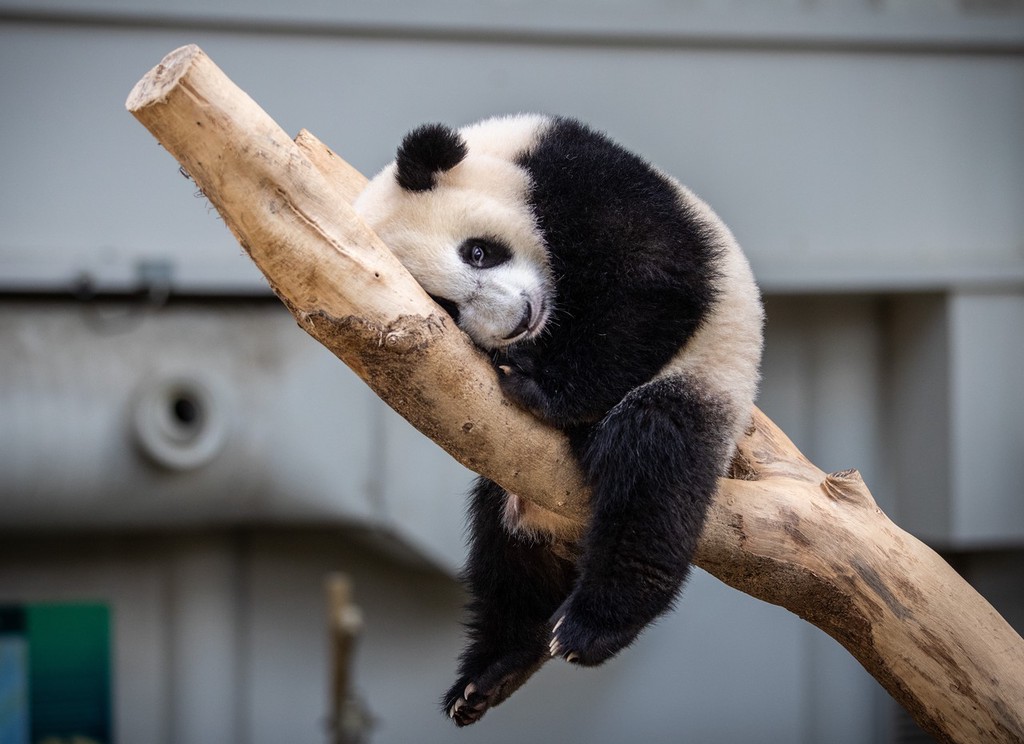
point(868, 155)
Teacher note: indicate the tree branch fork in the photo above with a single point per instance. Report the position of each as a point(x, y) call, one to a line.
point(780, 529)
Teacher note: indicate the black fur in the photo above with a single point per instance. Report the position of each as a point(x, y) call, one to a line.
point(515, 584)
point(653, 463)
point(634, 278)
point(426, 151)
point(635, 274)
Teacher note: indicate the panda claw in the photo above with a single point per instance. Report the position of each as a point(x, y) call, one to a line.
point(464, 713)
point(555, 645)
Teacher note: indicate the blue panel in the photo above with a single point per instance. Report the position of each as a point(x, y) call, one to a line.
point(13, 677)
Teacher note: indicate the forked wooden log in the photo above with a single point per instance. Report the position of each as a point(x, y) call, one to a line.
point(780, 529)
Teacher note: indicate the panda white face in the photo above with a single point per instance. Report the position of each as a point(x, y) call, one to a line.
point(468, 236)
point(494, 296)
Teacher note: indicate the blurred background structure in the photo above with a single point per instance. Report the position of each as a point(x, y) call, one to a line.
point(159, 458)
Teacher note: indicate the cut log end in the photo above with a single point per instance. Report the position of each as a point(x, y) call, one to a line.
point(158, 82)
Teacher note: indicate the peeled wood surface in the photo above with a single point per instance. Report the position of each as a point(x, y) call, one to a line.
point(343, 286)
point(780, 529)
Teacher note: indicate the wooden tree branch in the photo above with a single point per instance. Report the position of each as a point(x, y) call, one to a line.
point(780, 529)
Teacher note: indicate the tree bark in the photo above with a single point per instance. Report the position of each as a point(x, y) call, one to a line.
point(780, 529)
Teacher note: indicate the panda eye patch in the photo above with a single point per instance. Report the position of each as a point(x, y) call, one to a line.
point(484, 253)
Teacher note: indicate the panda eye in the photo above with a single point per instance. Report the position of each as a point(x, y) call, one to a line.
point(483, 253)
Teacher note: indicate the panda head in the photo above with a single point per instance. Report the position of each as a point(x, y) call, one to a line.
point(454, 208)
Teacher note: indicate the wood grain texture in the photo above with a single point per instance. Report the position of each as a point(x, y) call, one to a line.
point(780, 529)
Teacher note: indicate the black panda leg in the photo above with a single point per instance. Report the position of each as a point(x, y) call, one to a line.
point(515, 583)
point(653, 463)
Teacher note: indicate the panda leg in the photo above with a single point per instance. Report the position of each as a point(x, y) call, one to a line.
point(653, 464)
point(515, 583)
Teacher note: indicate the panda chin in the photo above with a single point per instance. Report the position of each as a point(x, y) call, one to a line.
point(524, 324)
point(535, 317)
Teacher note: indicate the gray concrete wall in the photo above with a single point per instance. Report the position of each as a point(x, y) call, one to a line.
point(849, 145)
point(868, 156)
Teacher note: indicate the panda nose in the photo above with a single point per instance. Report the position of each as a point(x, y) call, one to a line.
point(524, 323)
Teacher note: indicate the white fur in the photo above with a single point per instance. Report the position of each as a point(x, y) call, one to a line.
point(483, 196)
point(724, 355)
point(505, 137)
point(524, 517)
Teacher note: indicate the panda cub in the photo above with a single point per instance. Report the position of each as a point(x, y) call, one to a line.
point(616, 306)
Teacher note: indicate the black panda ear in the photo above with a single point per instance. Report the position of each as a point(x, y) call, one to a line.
point(426, 151)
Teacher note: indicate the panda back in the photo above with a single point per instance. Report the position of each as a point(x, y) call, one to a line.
point(643, 268)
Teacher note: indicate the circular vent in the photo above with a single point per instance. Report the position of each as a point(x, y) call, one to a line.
point(178, 423)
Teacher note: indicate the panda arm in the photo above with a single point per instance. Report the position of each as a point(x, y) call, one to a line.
point(654, 463)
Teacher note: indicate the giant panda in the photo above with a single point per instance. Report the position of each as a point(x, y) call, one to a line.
point(615, 305)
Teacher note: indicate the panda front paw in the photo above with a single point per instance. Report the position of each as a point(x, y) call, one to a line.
point(522, 389)
point(582, 638)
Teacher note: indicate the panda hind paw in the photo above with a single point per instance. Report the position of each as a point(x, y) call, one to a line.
point(474, 694)
point(464, 704)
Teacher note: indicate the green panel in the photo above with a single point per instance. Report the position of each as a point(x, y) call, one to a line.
point(69, 671)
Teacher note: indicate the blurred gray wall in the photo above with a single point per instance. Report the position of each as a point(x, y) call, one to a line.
point(868, 155)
